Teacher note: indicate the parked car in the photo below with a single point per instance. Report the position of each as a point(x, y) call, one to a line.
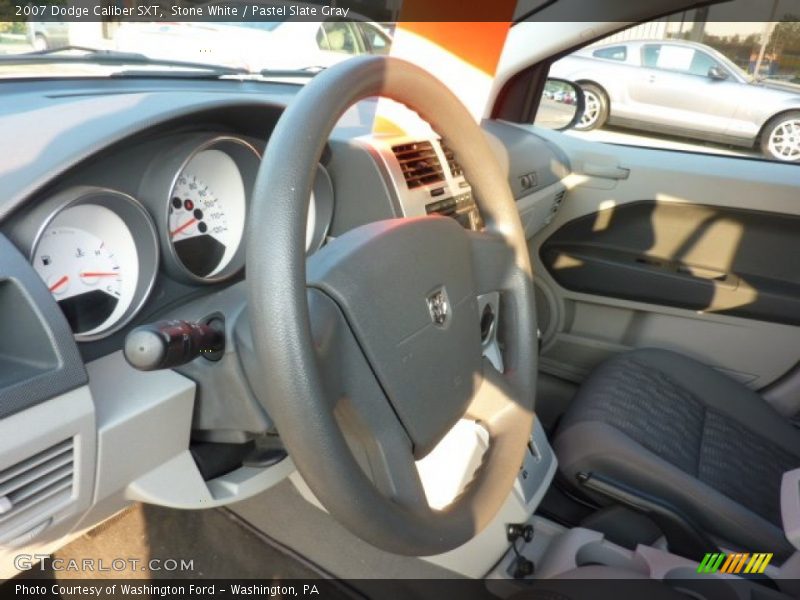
point(686, 89)
point(256, 45)
point(46, 35)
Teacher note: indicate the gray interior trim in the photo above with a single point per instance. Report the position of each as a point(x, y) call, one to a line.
point(65, 140)
point(723, 260)
point(62, 429)
point(591, 328)
point(784, 394)
point(38, 357)
point(790, 506)
point(149, 412)
point(533, 163)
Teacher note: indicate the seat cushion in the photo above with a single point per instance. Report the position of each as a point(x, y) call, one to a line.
point(676, 429)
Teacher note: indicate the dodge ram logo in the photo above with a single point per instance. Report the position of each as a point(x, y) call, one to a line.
point(439, 307)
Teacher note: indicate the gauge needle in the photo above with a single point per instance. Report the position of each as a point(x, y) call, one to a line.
point(188, 223)
point(59, 283)
point(99, 274)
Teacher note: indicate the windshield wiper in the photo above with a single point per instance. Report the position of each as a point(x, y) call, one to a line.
point(304, 72)
point(112, 57)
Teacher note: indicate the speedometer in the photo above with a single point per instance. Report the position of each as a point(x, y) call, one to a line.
point(198, 188)
point(207, 213)
point(97, 254)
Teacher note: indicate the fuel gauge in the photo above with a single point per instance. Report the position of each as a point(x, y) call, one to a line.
point(97, 255)
point(84, 275)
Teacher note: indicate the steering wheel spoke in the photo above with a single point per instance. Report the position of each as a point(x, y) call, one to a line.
point(373, 432)
point(492, 261)
point(493, 400)
point(383, 450)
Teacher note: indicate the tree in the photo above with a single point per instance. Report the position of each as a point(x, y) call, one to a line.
point(7, 11)
point(786, 35)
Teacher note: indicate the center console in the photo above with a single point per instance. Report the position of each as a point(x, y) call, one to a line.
point(460, 460)
point(556, 550)
point(424, 177)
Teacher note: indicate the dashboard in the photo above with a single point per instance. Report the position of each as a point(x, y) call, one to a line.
point(99, 247)
point(157, 217)
point(129, 206)
point(174, 210)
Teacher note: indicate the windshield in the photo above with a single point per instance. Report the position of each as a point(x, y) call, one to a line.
point(261, 40)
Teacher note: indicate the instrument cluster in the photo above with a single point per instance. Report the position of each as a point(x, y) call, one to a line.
point(99, 250)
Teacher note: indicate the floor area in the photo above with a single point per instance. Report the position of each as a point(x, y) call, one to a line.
point(216, 543)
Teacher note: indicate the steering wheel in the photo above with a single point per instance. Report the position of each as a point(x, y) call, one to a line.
point(371, 347)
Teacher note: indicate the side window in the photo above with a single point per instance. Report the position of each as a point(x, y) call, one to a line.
point(322, 39)
point(702, 63)
point(613, 53)
point(669, 57)
point(632, 95)
point(683, 59)
point(650, 55)
point(338, 36)
point(375, 40)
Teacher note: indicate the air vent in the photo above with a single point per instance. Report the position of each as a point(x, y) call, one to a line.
point(46, 476)
point(452, 164)
point(419, 163)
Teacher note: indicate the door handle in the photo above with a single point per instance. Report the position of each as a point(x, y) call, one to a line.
point(606, 171)
point(702, 272)
point(720, 278)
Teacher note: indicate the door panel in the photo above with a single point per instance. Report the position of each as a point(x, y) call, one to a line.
point(726, 226)
point(705, 258)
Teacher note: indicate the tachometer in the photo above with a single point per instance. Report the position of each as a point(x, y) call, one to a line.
point(97, 254)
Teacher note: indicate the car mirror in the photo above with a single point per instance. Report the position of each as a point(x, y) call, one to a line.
point(561, 105)
point(717, 73)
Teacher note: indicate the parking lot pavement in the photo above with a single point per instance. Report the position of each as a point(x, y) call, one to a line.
point(615, 135)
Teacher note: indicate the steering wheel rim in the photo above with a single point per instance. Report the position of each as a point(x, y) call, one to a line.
point(281, 292)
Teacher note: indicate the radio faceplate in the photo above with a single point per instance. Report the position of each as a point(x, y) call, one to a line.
point(462, 208)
